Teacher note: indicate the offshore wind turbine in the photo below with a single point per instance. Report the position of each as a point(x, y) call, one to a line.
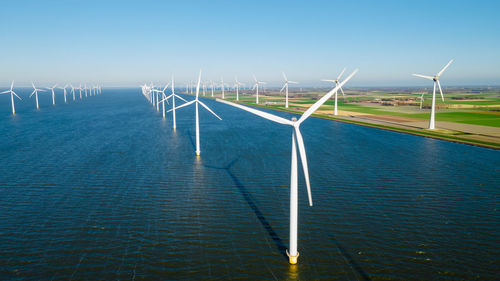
point(336, 81)
point(197, 102)
point(163, 98)
point(53, 94)
point(35, 92)
point(292, 252)
point(12, 94)
point(80, 89)
point(256, 87)
point(285, 87)
point(64, 89)
point(72, 91)
point(237, 85)
point(173, 96)
point(434, 78)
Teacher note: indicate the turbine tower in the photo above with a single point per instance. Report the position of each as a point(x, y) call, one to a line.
point(336, 81)
point(196, 101)
point(434, 78)
point(173, 96)
point(285, 87)
point(12, 94)
point(292, 252)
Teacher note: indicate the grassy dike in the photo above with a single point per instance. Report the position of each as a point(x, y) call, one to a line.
point(422, 132)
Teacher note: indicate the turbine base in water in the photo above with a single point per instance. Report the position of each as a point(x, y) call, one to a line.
point(292, 259)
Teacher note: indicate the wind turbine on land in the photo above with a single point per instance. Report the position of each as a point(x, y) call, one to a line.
point(12, 94)
point(237, 85)
point(422, 99)
point(256, 87)
point(434, 78)
point(196, 101)
point(53, 94)
point(292, 252)
point(285, 87)
point(222, 85)
point(35, 92)
point(336, 81)
point(212, 84)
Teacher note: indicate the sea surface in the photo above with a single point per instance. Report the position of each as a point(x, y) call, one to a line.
point(103, 188)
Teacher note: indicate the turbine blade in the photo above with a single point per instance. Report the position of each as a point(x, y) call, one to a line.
point(342, 91)
point(34, 91)
point(12, 85)
point(320, 102)
point(207, 108)
point(283, 88)
point(444, 68)
point(16, 95)
point(441, 91)
point(293, 82)
point(284, 76)
point(198, 86)
point(181, 106)
point(340, 75)
point(424, 76)
point(254, 78)
point(259, 113)
point(326, 80)
point(303, 158)
point(33, 85)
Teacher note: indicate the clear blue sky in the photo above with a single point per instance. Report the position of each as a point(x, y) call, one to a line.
point(127, 42)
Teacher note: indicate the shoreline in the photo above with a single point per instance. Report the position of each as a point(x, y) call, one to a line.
point(434, 135)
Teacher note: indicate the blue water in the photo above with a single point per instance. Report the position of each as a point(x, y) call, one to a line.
point(103, 188)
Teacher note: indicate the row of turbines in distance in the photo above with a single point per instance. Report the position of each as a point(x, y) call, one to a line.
point(157, 96)
point(82, 92)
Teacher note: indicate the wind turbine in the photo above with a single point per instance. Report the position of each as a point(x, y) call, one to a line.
point(212, 84)
point(336, 81)
point(434, 78)
point(80, 89)
point(173, 96)
point(421, 99)
point(196, 101)
point(12, 94)
point(85, 87)
point(53, 94)
point(62, 88)
point(292, 252)
point(222, 86)
point(237, 86)
point(35, 92)
point(72, 91)
point(285, 87)
point(256, 87)
point(163, 98)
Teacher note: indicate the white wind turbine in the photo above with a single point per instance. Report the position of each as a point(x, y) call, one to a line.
point(285, 87)
point(222, 85)
point(72, 91)
point(12, 94)
point(421, 99)
point(64, 89)
point(434, 78)
point(35, 92)
point(292, 252)
point(163, 98)
point(237, 85)
point(173, 96)
point(196, 101)
point(85, 88)
point(256, 87)
point(212, 84)
point(336, 81)
point(80, 89)
point(53, 94)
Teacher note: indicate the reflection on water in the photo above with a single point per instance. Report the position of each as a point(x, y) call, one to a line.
point(104, 189)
